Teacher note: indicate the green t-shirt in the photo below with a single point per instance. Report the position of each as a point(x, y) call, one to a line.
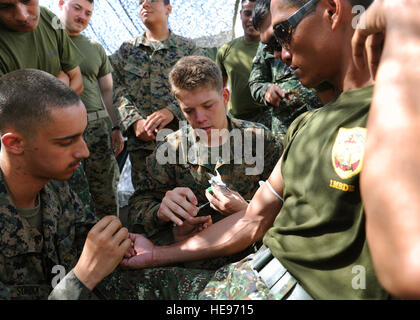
point(32, 215)
point(235, 60)
point(319, 234)
point(94, 66)
point(47, 48)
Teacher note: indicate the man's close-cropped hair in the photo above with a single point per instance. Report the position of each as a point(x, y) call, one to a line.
point(194, 72)
point(260, 12)
point(26, 96)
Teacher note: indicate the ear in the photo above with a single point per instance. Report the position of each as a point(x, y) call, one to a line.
point(13, 142)
point(168, 9)
point(226, 96)
point(334, 12)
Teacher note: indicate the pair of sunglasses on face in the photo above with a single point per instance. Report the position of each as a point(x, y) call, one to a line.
point(283, 30)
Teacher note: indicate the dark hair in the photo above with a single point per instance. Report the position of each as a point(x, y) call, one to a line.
point(300, 3)
point(260, 12)
point(26, 96)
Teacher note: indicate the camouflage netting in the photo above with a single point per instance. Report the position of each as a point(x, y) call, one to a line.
point(209, 22)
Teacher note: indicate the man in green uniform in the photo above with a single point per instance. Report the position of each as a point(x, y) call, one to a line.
point(31, 38)
point(27, 27)
point(235, 59)
point(43, 224)
point(309, 211)
point(272, 82)
point(173, 187)
point(103, 137)
point(142, 94)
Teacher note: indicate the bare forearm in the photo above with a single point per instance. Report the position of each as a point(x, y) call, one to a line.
point(228, 236)
point(391, 175)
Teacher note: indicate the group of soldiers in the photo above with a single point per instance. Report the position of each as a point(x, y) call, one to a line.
point(224, 226)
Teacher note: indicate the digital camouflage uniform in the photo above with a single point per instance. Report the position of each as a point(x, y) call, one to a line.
point(101, 167)
point(266, 71)
point(192, 171)
point(27, 255)
point(141, 87)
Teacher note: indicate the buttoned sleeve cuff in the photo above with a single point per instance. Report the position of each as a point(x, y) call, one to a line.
point(71, 288)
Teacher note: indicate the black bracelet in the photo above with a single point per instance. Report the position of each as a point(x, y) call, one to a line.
point(115, 128)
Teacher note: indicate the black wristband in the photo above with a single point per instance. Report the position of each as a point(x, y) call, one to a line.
point(116, 128)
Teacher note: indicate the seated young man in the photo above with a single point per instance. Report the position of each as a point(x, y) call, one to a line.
point(173, 188)
point(43, 224)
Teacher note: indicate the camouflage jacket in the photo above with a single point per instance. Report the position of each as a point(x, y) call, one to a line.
point(266, 71)
point(192, 168)
point(141, 85)
point(30, 261)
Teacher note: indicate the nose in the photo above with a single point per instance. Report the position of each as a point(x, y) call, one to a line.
point(21, 13)
point(82, 150)
point(285, 55)
point(200, 116)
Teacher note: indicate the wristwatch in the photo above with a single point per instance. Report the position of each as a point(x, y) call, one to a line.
point(116, 128)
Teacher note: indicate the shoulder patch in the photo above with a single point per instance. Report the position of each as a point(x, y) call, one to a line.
point(347, 152)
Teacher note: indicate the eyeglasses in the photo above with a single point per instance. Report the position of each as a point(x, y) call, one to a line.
point(272, 45)
point(283, 30)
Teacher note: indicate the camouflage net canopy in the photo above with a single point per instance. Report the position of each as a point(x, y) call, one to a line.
point(210, 23)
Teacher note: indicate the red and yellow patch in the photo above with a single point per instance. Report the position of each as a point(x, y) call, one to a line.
point(348, 151)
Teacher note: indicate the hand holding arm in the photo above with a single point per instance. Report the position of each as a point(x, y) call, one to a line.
point(104, 248)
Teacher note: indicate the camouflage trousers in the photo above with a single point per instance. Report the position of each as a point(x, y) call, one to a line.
point(101, 167)
point(138, 164)
point(235, 281)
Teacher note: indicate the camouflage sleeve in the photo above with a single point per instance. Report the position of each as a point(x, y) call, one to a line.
point(260, 77)
point(273, 150)
point(71, 288)
point(300, 95)
point(123, 102)
point(145, 202)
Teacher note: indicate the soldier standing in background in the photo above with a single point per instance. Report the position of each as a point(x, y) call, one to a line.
point(235, 59)
point(103, 135)
point(142, 94)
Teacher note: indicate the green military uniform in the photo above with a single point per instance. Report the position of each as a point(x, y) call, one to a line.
point(235, 60)
point(101, 168)
point(326, 242)
point(141, 70)
point(266, 71)
point(190, 165)
point(51, 47)
point(30, 248)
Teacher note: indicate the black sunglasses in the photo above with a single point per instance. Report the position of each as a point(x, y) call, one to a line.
point(283, 30)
